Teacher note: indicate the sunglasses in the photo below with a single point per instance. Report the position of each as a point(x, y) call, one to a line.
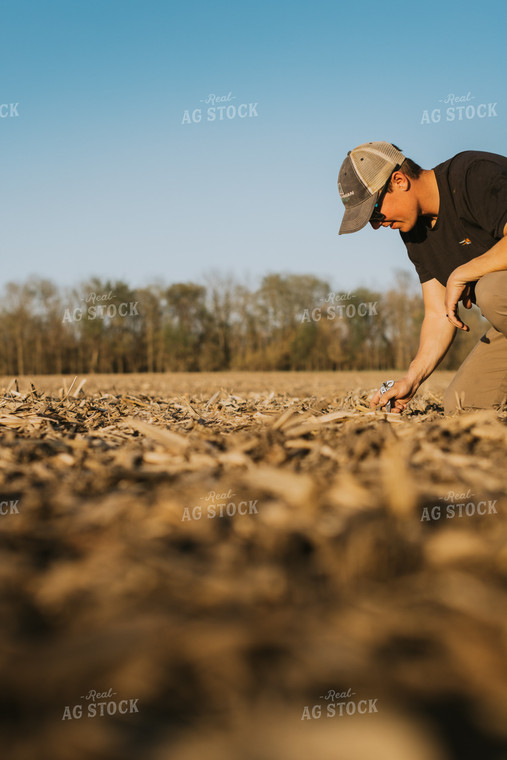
point(377, 217)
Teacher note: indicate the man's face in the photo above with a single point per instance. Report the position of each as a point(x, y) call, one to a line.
point(399, 206)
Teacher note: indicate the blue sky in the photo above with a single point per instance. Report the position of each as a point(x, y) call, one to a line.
point(101, 177)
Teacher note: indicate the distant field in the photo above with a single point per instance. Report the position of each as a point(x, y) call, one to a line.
point(229, 548)
point(307, 383)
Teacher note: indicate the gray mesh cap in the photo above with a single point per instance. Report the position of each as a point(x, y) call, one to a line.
point(362, 176)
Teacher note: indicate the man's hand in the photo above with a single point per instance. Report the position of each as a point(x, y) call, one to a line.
point(400, 394)
point(457, 289)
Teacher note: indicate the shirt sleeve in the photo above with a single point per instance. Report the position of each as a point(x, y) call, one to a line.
point(486, 196)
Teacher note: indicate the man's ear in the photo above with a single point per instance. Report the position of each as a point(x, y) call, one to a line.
point(400, 181)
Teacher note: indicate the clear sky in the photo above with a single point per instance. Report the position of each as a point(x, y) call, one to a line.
point(106, 169)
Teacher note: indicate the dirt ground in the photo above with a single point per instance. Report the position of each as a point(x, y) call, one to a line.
point(172, 383)
point(249, 566)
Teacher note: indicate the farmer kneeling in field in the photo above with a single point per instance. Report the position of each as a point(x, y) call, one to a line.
point(453, 221)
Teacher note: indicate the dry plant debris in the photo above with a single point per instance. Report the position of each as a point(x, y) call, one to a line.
point(126, 566)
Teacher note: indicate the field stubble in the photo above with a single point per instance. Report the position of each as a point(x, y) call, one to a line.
point(228, 548)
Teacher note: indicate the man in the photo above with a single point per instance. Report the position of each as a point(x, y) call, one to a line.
point(453, 221)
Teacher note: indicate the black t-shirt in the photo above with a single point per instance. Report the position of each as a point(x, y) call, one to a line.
point(471, 216)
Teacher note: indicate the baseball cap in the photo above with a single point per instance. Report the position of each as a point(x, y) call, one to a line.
point(362, 176)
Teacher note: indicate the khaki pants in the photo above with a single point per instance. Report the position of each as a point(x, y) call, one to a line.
point(481, 381)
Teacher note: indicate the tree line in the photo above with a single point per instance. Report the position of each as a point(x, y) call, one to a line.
point(285, 322)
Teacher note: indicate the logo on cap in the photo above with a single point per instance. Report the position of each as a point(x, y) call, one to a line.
point(342, 194)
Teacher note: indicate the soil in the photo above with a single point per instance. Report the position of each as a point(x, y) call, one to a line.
point(228, 555)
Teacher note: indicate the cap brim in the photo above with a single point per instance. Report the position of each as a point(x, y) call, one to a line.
point(357, 217)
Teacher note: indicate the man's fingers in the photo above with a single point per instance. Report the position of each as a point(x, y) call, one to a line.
point(456, 321)
point(377, 399)
point(382, 399)
point(466, 297)
point(453, 320)
point(453, 317)
point(397, 406)
point(396, 396)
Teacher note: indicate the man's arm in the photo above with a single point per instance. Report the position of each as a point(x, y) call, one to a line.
point(494, 260)
point(437, 334)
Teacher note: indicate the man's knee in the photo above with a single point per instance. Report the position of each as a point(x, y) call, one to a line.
point(491, 298)
point(462, 396)
point(454, 399)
